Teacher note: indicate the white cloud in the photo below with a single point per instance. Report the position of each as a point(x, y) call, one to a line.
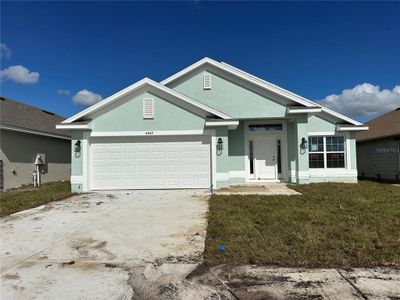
point(5, 51)
point(364, 100)
point(63, 92)
point(19, 74)
point(86, 98)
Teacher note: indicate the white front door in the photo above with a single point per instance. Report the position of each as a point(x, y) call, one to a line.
point(265, 158)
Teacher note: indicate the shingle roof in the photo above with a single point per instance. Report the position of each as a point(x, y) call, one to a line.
point(383, 126)
point(18, 114)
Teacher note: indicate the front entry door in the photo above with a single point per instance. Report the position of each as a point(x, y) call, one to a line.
point(265, 158)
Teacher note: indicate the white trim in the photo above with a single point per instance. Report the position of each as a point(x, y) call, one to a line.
point(340, 127)
point(85, 162)
point(222, 176)
point(31, 131)
point(146, 133)
point(259, 82)
point(77, 179)
point(72, 126)
point(282, 135)
point(230, 124)
point(213, 157)
point(321, 133)
point(292, 110)
point(138, 85)
point(86, 142)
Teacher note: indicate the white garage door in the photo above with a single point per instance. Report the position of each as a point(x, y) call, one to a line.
point(150, 162)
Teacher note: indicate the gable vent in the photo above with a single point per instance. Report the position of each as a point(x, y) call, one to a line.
point(207, 81)
point(148, 108)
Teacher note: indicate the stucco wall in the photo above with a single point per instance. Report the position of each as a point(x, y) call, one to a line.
point(127, 115)
point(230, 98)
point(379, 159)
point(18, 152)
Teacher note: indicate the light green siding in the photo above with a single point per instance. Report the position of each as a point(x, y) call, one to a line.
point(292, 147)
point(230, 98)
point(76, 188)
point(236, 148)
point(128, 116)
point(76, 158)
point(316, 124)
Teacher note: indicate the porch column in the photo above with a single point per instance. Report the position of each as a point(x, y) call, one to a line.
point(222, 158)
point(302, 166)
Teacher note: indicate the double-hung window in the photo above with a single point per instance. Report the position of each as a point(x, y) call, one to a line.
point(326, 152)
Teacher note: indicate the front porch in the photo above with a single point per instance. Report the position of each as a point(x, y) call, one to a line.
point(279, 150)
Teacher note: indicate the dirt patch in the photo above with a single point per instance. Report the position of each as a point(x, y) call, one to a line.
point(11, 276)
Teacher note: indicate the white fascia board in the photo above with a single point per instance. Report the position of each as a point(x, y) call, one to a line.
point(72, 126)
point(259, 82)
point(138, 85)
point(31, 131)
point(145, 133)
point(303, 110)
point(230, 124)
point(351, 128)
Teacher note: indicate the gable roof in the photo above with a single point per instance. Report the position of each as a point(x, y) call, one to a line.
point(19, 116)
point(259, 82)
point(383, 126)
point(142, 83)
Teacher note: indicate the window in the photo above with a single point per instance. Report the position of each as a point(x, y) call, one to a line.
point(148, 108)
point(278, 143)
point(207, 81)
point(265, 127)
point(251, 157)
point(326, 152)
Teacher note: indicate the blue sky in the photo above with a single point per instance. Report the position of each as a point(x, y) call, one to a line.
point(313, 49)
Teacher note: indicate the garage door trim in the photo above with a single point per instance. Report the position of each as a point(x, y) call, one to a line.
point(86, 155)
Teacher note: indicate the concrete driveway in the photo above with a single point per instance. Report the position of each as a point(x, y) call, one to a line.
point(89, 246)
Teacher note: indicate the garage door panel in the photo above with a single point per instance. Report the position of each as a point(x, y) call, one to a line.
point(150, 162)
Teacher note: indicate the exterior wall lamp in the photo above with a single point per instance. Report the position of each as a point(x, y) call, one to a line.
point(303, 145)
point(220, 146)
point(77, 148)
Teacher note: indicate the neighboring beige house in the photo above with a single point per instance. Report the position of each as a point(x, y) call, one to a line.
point(378, 150)
point(25, 133)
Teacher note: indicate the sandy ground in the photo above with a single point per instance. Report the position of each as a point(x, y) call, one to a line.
point(148, 245)
point(86, 246)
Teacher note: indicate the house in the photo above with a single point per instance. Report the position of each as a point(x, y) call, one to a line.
point(30, 142)
point(210, 125)
point(378, 150)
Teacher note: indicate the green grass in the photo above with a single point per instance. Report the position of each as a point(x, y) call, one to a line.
point(12, 201)
point(329, 225)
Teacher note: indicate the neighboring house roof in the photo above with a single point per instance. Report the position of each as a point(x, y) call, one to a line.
point(384, 126)
point(259, 82)
point(138, 85)
point(22, 117)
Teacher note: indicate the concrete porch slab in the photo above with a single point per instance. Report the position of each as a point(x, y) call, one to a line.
point(258, 189)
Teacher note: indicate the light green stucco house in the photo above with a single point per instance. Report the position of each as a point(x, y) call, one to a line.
point(210, 125)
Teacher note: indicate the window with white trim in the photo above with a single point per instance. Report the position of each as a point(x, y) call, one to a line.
point(326, 152)
point(207, 81)
point(148, 108)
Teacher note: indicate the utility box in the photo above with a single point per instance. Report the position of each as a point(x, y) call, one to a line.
point(40, 159)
